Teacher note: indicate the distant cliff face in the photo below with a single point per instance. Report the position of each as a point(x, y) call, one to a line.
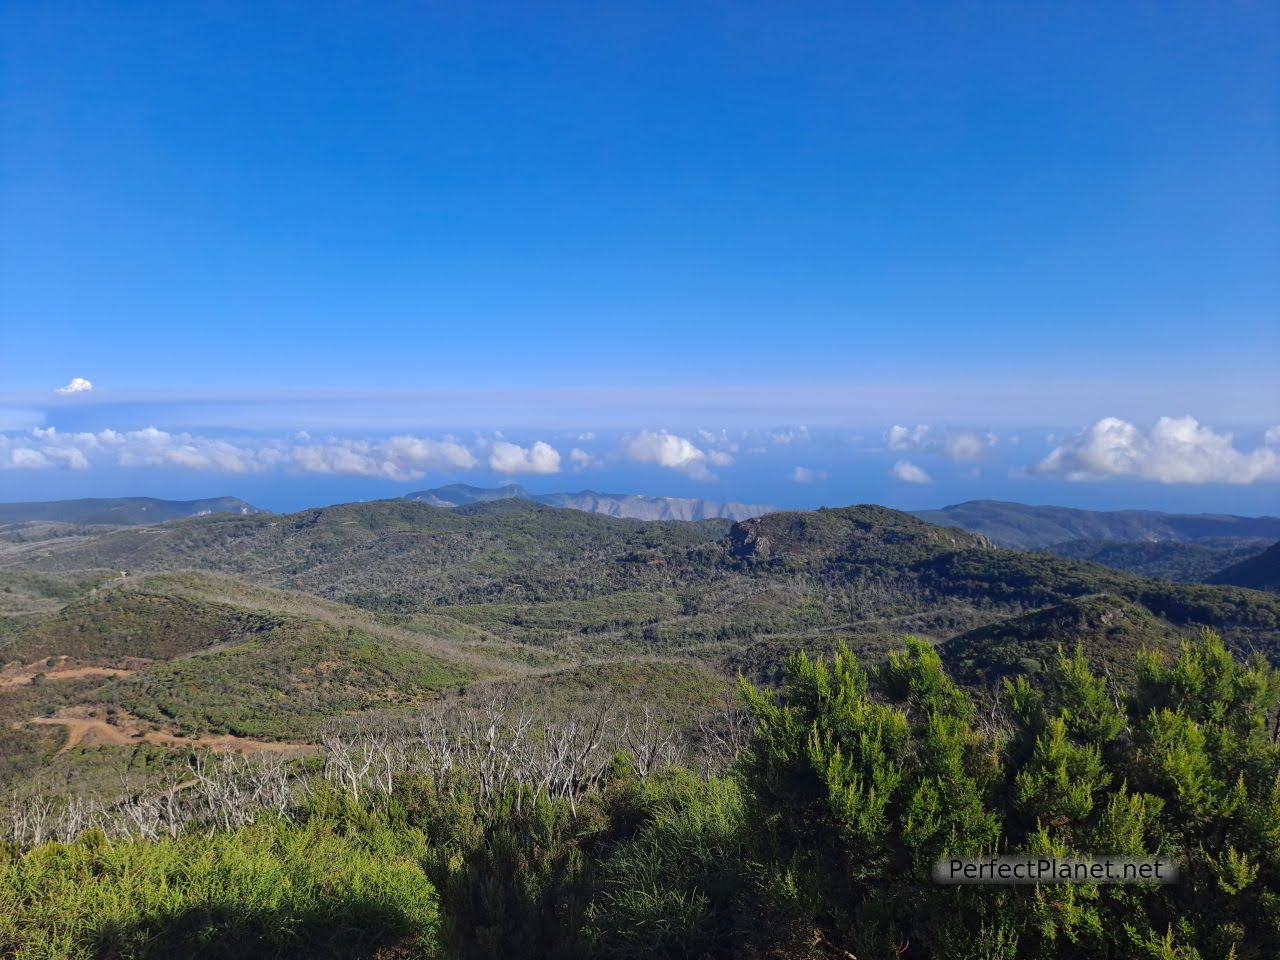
point(627, 505)
point(122, 511)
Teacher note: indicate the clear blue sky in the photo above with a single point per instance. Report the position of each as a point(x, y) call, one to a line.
point(419, 218)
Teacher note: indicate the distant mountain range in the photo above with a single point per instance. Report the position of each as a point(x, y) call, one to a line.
point(1172, 546)
point(123, 511)
point(628, 505)
point(1019, 526)
point(1183, 547)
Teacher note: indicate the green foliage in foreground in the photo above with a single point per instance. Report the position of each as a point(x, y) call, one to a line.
point(853, 801)
point(819, 844)
point(274, 889)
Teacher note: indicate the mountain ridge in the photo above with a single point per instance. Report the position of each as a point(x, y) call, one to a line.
point(1031, 527)
point(121, 511)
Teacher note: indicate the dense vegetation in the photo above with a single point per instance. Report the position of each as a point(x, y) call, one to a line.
point(818, 842)
point(587, 585)
point(1165, 559)
point(322, 887)
point(1261, 572)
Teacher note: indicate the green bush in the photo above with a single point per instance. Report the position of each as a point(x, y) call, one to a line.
point(275, 889)
point(676, 887)
point(851, 798)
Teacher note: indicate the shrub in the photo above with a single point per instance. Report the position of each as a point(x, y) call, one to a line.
point(272, 889)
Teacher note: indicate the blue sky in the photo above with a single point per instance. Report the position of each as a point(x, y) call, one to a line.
point(240, 222)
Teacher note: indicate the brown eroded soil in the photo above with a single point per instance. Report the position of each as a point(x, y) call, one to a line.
point(95, 725)
point(20, 674)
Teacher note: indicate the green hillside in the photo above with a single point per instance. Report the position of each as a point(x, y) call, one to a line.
point(128, 622)
point(589, 585)
point(1261, 572)
point(1177, 560)
point(1110, 630)
point(283, 683)
point(269, 627)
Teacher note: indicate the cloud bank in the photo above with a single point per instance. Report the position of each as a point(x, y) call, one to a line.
point(673, 452)
point(510, 458)
point(1175, 450)
point(395, 458)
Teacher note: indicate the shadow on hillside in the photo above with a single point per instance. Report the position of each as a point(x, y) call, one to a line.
point(365, 929)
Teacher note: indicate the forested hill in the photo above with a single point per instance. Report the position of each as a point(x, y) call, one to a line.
point(600, 585)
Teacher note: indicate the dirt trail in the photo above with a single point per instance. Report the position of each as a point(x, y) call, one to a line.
point(93, 726)
point(74, 673)
point(21, 675)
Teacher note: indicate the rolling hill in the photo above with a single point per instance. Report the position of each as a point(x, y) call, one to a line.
point(590, 585)
point(268, 627)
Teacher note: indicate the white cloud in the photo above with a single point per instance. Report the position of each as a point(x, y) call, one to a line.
point(77, 385)
point(47, 447)
point(24, 458)
point(908, 472)
point(511, 458)
point(962, 446)
point(1175, 450)
point(805, 475)
point(1272, 437)
point(396, 458)
point(582, 460)
point(674, 452)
